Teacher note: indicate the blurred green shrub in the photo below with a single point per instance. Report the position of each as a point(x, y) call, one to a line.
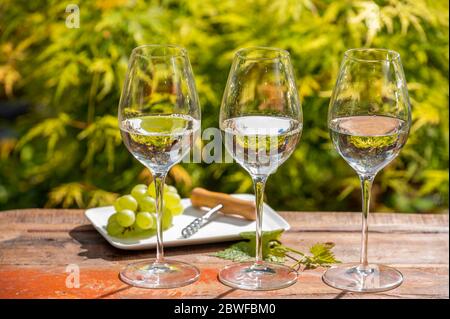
point(67, 151)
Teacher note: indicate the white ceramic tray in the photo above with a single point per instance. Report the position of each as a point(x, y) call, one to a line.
point(221, 228)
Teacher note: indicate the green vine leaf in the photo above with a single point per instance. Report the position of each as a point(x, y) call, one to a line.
point(275, 251)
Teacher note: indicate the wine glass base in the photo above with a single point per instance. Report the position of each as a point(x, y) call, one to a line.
point(169, 274)
point(251, 276)
point(356, 278)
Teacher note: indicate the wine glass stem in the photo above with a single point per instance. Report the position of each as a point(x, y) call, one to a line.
point(259, 183)
point(159, 179)
point(366, 186)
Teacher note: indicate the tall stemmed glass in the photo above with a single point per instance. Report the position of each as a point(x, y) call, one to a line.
point(159, 116)
point(369, 119)
point(261, 121)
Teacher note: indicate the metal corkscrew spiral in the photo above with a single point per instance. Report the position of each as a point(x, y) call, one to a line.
point(192, 228)
point(197, 223)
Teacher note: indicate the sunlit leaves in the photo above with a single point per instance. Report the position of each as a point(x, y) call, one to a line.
point(99, 197)
point(434, 179)
point(369, 13)
point(103, 135)
point(66, 195)
point(7, 146)
point(78, 194)
point(103, 66)
point(52, 130)
point(73, 77)
point(8, 77)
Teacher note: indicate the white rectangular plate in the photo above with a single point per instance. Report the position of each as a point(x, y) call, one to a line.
point(221, 228)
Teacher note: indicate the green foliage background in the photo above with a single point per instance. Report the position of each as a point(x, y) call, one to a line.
point(68, 152)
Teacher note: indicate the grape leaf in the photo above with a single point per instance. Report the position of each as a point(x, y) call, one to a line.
point(246, 250)
point(321, 256)
point(275, 251)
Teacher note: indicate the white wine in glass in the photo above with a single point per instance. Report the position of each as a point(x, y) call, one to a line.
point(369, 120)
point(261, 120)
point(368, 143)
point(159, 141)
point(261, 149)
point(159, 116)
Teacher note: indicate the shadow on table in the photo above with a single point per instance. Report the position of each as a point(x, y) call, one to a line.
point(94, 246)
point(220, 218)
point(340, 295)
point(224, 294)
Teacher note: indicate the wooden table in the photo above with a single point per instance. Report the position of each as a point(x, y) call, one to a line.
point(39, 246)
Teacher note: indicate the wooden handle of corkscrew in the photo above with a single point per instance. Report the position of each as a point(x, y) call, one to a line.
point(231, 205)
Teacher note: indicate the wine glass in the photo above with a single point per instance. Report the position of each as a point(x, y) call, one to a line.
point(261, 121)
point(159, 117)
point(369, 120)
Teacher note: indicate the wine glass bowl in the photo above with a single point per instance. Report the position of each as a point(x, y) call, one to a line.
point(261, 121)
point(158, 105)
point(369, 119)
point(159, 118)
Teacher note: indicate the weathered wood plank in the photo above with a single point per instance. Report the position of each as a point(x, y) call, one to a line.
point(378, 222)
point(92, 248)
point(307, 220)
point(103, 282)
point(37, 245)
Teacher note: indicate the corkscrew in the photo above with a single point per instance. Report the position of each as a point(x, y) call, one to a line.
point(193, 227)
point(227, 205)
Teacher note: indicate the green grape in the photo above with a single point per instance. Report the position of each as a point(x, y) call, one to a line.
point(177, 209)
point(125, 218)
point(131, 231)
point(167, 188)
point(147, 204)
point(172, 189)
point(125, 202)
point(151, 190)
point(167, 218)
point(139, 191)
point(113, 228)
point(145, 220)
point(171, 199)
point(112, 218)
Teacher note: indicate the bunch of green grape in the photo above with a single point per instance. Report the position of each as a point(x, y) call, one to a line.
point(135, 214)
